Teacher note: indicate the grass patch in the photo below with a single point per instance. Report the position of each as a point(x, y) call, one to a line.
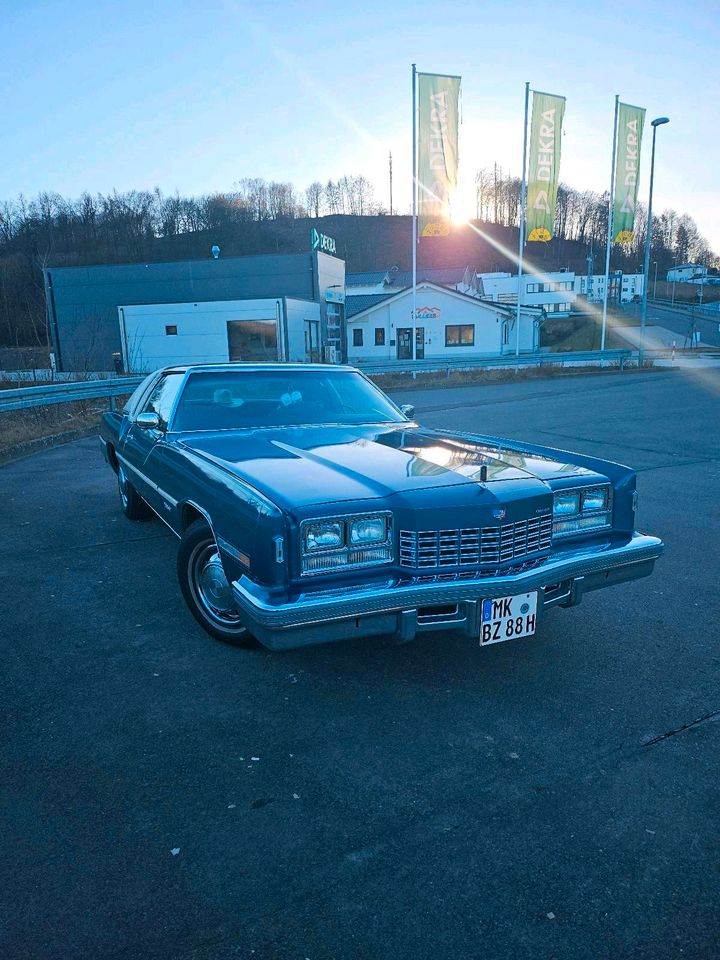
point(24, 430)
point(457, 378)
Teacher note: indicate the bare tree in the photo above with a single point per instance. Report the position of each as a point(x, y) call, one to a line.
point(314, 198)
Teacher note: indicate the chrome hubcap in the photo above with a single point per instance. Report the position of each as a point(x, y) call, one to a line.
point(211, 588)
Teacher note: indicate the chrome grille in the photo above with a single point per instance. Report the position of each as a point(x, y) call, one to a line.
point(474, 546)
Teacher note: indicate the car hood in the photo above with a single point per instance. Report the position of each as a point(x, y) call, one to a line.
point(296, 467)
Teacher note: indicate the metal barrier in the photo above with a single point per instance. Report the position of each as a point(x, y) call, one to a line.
point(23, 397)
point(41, 396)
point(544, 358)
point(710, 307)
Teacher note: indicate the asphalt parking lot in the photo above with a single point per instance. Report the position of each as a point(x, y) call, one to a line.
point(166, 796)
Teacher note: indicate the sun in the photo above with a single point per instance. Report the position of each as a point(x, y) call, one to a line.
point(463, 205)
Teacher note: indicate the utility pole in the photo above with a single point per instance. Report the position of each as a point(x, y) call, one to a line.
point(391, 213)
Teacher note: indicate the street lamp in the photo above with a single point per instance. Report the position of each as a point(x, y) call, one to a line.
point(658, 122)
point(675, 259)
point(655, 282)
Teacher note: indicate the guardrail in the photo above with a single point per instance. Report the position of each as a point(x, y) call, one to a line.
point(21, 398)
point(709, 307)
point(41, 396)
point(543, 358)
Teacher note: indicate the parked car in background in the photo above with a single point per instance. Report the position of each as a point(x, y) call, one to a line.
point(310, 508)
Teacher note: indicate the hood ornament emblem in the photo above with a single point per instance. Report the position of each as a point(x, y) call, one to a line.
point(498, 514)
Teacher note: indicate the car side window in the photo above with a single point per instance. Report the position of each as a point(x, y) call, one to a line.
point(162, 399)
point(137, 395)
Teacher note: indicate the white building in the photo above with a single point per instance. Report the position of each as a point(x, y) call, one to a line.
point(552, 292)
point(557, 292)
point(448, 324)
point(684, 272)
point(153, 335)
point(624, 287)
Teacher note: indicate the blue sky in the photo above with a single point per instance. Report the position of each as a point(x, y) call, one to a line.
point(196, 95)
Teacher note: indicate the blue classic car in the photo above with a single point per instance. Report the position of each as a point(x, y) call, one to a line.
point(311, 508)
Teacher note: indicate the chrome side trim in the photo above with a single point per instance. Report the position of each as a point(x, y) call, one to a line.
point(160, 517)
point(232, 551)
point(143, 476)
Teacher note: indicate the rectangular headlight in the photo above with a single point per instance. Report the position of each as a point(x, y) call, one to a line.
point(368, 530)
point(581, 511)
point(595, 499)
point(566, 504)
point(345, 542)
point(323, 536)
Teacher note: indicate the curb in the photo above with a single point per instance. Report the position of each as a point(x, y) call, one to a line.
point(28, 447)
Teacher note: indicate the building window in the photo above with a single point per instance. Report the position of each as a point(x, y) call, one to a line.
point(379, 336)
point(460, 335)
point(357, 338)
point(171, 331)
point(534, 287)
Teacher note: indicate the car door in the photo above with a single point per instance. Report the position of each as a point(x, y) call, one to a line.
point(139, 442)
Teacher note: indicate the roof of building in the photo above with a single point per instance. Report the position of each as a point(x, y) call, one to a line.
point(360, 302)
point(371, 300)
point(403, 278)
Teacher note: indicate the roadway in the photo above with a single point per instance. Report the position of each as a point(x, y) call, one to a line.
point(165, 796)
point(678, 320)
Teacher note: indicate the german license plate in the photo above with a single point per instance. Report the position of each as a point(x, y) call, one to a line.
point(508, 618)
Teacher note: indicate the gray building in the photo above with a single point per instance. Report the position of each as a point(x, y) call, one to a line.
point(84, 303)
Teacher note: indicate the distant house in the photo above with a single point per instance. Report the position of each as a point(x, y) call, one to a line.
point(684, 272)
point(448, 323)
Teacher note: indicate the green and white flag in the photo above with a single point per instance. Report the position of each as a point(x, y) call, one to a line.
point(545, 133)
point(627, 169)
point(438, 109)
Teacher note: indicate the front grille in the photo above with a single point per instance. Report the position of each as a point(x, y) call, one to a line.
point(460, 576)
point(474, 546)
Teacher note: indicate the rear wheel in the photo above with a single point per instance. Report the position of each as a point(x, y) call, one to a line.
point(133, 505)
point(205, 587)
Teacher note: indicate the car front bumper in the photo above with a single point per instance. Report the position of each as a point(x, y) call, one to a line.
point(405, 609)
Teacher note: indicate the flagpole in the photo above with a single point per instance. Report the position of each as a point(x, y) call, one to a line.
point(608, 246)
point(414, 205)
point(521, 243)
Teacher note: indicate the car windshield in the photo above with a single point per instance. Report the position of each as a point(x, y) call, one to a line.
point(228, 399)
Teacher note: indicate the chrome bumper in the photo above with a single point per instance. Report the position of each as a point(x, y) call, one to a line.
point(282, 623)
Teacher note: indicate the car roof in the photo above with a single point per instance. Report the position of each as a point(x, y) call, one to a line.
point(246, 367)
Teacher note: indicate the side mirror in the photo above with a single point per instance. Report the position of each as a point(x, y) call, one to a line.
point(148, 421)
point(408, 409)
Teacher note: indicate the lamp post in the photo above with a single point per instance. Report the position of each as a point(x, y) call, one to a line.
point(659, 121)
point(655, 282)
point(673, 286)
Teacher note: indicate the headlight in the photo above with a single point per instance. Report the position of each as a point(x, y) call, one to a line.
point(581, 511)
point(595, 499)
point(368, 530)
point(354, 541)
point(323, 536)
point(566, 504)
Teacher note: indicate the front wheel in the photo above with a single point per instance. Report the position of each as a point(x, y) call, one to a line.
point(205, 587)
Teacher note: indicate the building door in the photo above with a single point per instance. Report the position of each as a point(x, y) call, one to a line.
point(404, 343)
point(419, 343)
point(253, 340)
point(312, 341)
